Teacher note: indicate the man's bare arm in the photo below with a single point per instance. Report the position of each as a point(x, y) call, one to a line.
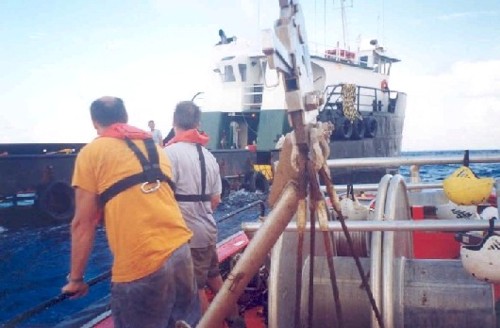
point(83, 229)
point(215, 201)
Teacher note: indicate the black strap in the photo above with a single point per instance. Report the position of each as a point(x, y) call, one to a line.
point(203, 197)
point(203, 168)
point(192, 198)
point(350, 191)
point(477, 242)
point(491, 229)
point(151, 172)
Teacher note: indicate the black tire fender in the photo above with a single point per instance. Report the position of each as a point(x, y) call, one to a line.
point(57, 201)
point(343, 128)
point(358, 129)
point(371, 125)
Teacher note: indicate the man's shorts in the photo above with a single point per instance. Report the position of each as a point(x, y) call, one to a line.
point(161, 298)
point(206, 264)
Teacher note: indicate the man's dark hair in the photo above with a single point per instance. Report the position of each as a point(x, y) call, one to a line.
point(187, 115)
point(108, 110)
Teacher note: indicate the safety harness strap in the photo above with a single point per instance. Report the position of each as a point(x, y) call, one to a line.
point(151, 172)
point(203, 197)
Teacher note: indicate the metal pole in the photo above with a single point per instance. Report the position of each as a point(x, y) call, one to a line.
point(396, 225)
point(374, 186)
point(497, 188)
point(252, 258)
point(384, 162)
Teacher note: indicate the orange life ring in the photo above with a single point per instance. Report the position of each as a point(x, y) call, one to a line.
point(384, 85)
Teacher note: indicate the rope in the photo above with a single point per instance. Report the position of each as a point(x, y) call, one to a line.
point(364, 280)
point(49, 303)
point(316, 196)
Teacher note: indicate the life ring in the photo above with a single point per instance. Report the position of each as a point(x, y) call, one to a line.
point(358, 129)
point(384, 85)
point(343, 128)
point(371, 127)
point(56, 201)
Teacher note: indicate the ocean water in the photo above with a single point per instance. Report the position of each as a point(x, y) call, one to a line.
point(34, 260)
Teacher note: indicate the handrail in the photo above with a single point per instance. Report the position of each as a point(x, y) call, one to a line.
point(375, 187)
point(50, 302)
point(384, 162)
point(455, 225)
point(361, 91)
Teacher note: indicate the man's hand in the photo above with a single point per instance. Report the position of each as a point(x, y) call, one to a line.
point(76, 289)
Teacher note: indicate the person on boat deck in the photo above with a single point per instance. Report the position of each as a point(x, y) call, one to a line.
point(153, 282)
point(235, 134)
point(157, 137)
point(198, 191)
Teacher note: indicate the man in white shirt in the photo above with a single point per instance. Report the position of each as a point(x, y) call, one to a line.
point(198, 191)
point(156, 134)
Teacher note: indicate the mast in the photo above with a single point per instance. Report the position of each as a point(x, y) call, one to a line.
point(344, 29)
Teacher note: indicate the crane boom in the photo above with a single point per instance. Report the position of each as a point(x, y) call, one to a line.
point(287, 51)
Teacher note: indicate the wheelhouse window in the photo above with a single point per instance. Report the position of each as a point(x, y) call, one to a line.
point(363, 61)
point(229, 74)
point(243, 71)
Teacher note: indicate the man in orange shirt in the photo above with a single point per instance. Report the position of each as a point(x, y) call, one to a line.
point(123, 176)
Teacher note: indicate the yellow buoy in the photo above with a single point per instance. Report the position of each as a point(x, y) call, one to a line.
point(463, 187)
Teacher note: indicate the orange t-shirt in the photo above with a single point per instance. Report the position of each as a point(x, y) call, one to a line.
point(142, 229)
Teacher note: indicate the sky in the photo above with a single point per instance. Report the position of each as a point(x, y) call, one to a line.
point(57, 56)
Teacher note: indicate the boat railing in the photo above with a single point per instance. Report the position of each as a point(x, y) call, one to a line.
point(382, 162)
point(342, 55)
point(451, 225)
point(397, 224)
point(338, 54)
point(414, 162)
point(367, 98)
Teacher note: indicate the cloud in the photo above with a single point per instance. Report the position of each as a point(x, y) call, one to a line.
point(38, 36)
point(470, 14)
point(59, 112)
point(459, 109)
point(249, 9)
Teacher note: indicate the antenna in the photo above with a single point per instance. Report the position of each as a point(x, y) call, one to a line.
point(344, 30)
point(383, 22)
point(344, 20)
point(258, 15)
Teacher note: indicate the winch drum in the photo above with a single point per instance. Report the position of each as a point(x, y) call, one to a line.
point(427, 293)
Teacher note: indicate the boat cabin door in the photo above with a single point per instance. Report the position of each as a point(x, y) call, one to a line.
point(238, 134)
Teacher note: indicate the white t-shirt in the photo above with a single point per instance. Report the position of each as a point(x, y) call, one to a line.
point(157, 138)
point(186, 171)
